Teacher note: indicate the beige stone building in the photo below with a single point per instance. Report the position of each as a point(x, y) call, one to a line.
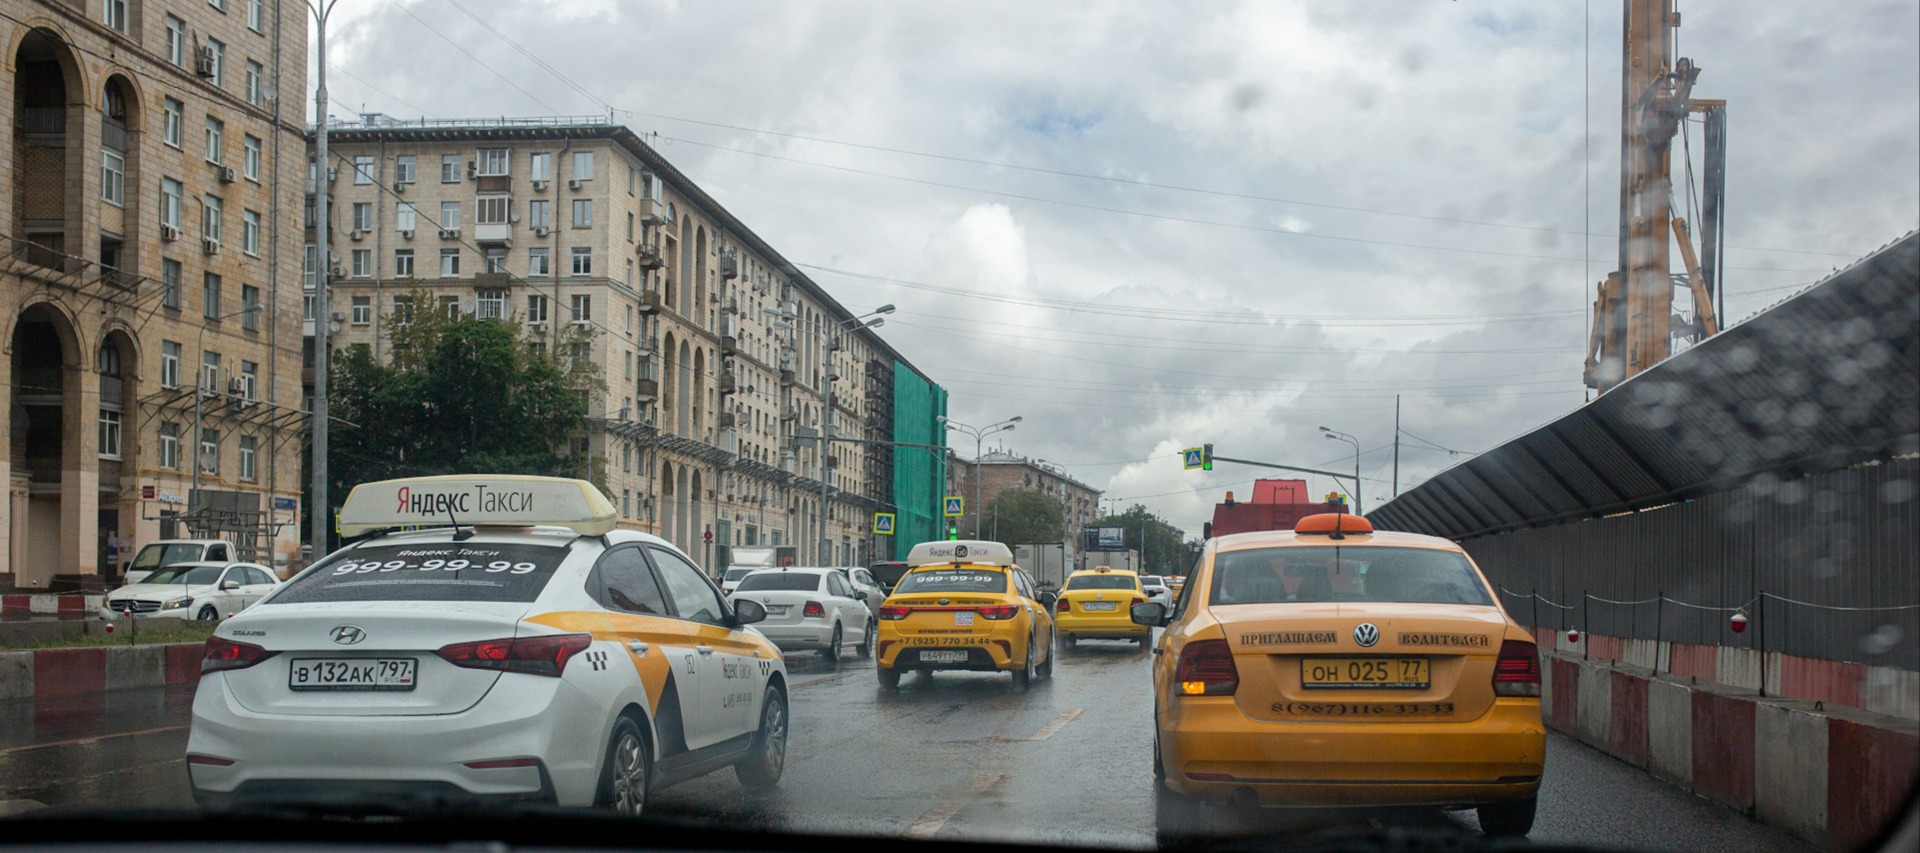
point(716, 351)
point(1000, 471)
point(148, 280)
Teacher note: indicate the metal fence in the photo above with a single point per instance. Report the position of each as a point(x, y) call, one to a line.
point(1824, 566)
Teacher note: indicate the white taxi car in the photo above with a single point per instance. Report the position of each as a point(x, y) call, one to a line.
point(203, 591)
point(532, 652)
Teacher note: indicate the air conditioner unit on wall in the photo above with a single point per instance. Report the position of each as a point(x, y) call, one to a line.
point(406, 234)
point(210, 245)
point(573, 184)
point(227, 175)
point(169, 234)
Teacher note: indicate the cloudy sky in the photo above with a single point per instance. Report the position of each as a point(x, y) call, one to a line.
point(1144, 226)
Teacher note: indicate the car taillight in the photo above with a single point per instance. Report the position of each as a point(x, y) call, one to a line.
point(546, 655)
point(1206, 669)
point(894, 612)
point(1062, 606)
point(1517, 671)
point(224, 654)
point(1000, 611)
point(813, 608)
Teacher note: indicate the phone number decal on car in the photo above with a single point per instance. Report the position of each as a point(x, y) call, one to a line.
point(942, 641)
point(1363, 709)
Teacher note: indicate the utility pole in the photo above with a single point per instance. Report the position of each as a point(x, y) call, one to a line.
point(1396, 445)
point(322, 314)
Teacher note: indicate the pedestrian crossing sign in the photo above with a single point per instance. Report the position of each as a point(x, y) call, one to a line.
point(1193, 457)
point(956, 506)
point(883, 524)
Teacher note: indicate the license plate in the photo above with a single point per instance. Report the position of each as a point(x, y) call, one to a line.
point(777, 609)
point(1099, 605)
point(352, 674)
point(928, 656)
point(964, 620)
point(1400, 673)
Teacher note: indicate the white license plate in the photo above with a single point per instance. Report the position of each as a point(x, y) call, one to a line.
point(943, 656)
point(1100, 605)
point(964, 620)
point(352, 673)
point(777, 609)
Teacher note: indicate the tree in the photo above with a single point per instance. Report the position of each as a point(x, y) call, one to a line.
point(1022, 517)
point(1164, 548)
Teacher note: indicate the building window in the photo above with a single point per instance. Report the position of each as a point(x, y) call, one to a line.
point(629, 273)
point(170, 283)
point(449, 168)
point(629, 226)
point(492, 304)
point(176, 41)
point(171, 110)
point(210, 210)
point(114, 15)
point(492, 163)
point(582, 309)
point(218, 4)
point(540, 213)
point(362, 310)
point(363, 216)
point(539, 261)
point(449, 214)
point(254, 14)
point(209, 451)
point(404, 167)
point(170, 446)
point(113, 178)
point(450, 306)
point(218, 52)
point(582, 260)
point(216, 140)
point(363, 169)
point(583, 213)
point(169, 364)
point(109, 434)
point(496, 259)
point(210, 371)
point(630, 174)
point(362, 260)
point(311, 268)
point(583, 165)
point(250, 308)
point(255, 88)
point(210, 295)
point(171, 193)
point(251, 166)
point(540, 167)
point(536, 308)
point(249, 380)
point(628, 358)
point(491, 210)
point(449, 263)
point(403, 263)
point(403, 215)
point(250, 232)
point(402, 310)
point(247, 452)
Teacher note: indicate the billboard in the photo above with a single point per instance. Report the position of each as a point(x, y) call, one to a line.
point(1111, 539)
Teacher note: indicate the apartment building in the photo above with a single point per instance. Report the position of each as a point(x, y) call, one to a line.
point(999, 471)
point(152, 298)
point(719, 356)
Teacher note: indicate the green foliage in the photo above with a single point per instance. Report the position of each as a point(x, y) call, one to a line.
point(1022, 517)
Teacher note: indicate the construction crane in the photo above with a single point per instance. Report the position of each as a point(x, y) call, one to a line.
point(1633, 321)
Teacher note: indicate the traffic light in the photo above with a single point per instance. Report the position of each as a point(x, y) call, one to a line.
point(953, 531)
point(1206, 457)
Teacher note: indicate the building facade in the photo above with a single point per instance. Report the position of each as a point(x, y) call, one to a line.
point(999, 471)
point(150, 285)
point(721, 360)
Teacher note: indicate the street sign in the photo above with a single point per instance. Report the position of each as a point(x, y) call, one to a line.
point(285, 504)
point(956, 506)
point(883, 524)
point(1192, 457)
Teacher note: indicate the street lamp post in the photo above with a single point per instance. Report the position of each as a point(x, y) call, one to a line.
point(868, 320)
point(321, 311)
point(200, 384)
point(1341, 436)
point(979, 436)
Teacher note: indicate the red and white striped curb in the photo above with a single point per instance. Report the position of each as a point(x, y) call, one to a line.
point(50, 603)
point(81, 670)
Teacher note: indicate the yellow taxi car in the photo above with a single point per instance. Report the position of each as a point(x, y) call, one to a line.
point(964, 605)
point(1331, 665)
point(1097, 604)
point(1175, 585)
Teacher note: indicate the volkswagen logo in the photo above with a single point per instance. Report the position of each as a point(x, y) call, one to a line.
point(945, 601)
point(1366, 635)
point(347, 635)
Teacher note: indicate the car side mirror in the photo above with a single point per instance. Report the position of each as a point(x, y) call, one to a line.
point(860, 594)
point(1152, 614)
point(229, 585)
point(746, 611)
point(1049, 599)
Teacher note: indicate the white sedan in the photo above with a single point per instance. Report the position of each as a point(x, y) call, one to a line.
point(1155, 586)
point(203, 591)
point(810, 610)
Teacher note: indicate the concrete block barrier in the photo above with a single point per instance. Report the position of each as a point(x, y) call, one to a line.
point(1871, 769)
point(81, 670)
point(1790, 768)
point(49, 604)
point(16, 675)
point(1670, 731)
point(1723, 748)
point(1628, 714)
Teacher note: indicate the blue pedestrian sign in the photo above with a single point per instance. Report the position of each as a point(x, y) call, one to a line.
point(883, 524)
point(956, 506)
point(1193, 457)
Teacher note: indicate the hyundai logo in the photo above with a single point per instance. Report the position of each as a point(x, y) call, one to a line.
point(347, 635)
point(1366, 635)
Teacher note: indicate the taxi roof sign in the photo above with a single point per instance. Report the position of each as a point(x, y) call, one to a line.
point(477, 499)
point(969, 551)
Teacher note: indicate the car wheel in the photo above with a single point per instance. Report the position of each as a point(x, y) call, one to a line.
point(1045, 670)
point(208, 614)
point(768, 757)
point(831, 654)
point(1180, 821)
point(1143, 640)
point(866, 643)
point(889, 678)
point(1023, 677)
point(1511, 819)
point(628, 771)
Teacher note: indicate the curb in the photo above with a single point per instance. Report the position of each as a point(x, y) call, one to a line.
point(50, 673)
point(51, 603)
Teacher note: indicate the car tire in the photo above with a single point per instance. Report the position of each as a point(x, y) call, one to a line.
point(889, 678)
point(1511, 819)
point(1143, 640)
point(767, 759)
point(1180, 821)
point(865, 648)
point(1045, 670)
point(207, 614)
point(1023, 677)
point(627, 772)
point(831, 654)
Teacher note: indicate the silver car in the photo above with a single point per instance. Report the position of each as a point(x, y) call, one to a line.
point(810, 610)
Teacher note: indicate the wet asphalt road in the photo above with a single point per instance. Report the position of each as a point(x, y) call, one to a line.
point(960, 756)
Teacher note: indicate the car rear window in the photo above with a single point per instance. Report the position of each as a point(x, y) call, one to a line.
point(954, 580)
point(780, 582)
point(736, 574)
point(1101, 582)
point(463, 571)
point(1335, 573)
point(1153, 580)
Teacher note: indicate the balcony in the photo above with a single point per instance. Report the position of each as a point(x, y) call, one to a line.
point(728, 384)
point(649, 301)
point(786, 376)
point(646, 390)
point(653, 212)
point(493, 233)
point(727, 420)
point(650, 257)
point(492, 279)
point(729, 345)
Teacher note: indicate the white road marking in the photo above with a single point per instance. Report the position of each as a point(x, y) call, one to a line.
point(929, 824)
point(83, 741)
point(1060, 722)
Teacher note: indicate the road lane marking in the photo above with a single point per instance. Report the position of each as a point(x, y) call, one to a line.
point(1060, 722)
point(930, 823)
point(824, 679)
point(84, 741)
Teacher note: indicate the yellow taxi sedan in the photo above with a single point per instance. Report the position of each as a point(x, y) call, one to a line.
point(964, 605)
point(1331, 665)
point(1096, 604)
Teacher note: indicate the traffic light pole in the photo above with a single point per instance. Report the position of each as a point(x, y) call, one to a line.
point(1335, 476)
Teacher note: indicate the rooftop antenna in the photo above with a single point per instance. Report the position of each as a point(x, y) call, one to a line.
point(458, 534)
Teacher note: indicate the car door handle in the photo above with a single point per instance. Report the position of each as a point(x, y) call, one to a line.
point(705, 650)
point(638, 647)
